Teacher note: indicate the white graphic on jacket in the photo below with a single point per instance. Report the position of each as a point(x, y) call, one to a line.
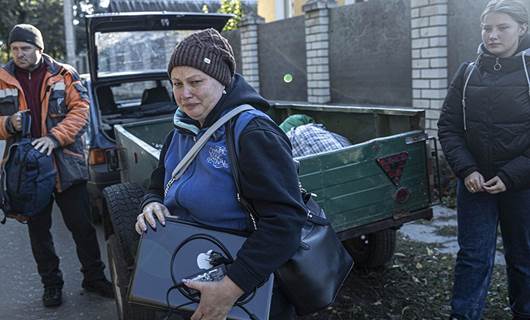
point(218, 157)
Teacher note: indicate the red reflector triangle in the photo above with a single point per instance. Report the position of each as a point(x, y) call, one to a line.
point(393, 166)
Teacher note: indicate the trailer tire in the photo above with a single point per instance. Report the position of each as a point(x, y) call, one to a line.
point(121, 275)
point(122, 203)
point(374, 250)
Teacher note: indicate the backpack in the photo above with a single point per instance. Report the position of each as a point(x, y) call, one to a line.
point(27, 177)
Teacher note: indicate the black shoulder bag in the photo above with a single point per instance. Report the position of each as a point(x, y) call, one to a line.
point(313, 276)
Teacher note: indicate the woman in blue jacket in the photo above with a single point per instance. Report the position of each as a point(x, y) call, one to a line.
point(484, 130)
point(205, 88)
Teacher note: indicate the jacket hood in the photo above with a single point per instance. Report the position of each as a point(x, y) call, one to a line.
point(524, 46)
point(239, 92)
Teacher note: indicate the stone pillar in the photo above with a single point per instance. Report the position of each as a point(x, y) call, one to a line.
point(317, 49)
point(429, 58)
point(249, 48)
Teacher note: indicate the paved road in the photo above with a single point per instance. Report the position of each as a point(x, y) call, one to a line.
point(20, 287)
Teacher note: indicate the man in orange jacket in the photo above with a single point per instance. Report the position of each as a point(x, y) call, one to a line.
point(57, 101)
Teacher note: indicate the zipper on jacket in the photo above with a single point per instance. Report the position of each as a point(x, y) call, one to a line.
point(497, 66)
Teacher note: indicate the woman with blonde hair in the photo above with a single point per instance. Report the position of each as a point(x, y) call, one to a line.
point(484, 130)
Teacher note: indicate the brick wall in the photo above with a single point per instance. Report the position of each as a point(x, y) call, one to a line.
point(249, 49)
point(429, 58)
point(317, 50)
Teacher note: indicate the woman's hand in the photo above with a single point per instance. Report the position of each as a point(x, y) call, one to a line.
point(494, 185)
point(150, 211)
point(474, 182)
point(217, 298)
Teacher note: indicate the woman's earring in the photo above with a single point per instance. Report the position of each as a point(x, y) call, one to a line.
point(224, 91)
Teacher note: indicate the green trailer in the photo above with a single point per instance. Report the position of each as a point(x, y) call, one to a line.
point(368, 190)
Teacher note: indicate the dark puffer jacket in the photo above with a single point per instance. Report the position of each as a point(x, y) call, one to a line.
point(490, 132)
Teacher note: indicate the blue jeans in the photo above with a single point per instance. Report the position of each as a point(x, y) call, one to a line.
point(478, 216)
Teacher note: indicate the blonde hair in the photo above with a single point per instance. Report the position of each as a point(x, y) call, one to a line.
point(514, 8)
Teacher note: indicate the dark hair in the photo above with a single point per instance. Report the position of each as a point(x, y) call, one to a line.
point(514, 8)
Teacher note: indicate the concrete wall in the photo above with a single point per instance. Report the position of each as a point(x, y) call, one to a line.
point(380, 52)
point(281, 52)
point(370, 53)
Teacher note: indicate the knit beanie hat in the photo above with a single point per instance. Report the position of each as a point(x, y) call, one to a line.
point(26, 33)
point(208, 51)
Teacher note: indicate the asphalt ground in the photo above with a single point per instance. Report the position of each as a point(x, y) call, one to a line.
point(20, 286)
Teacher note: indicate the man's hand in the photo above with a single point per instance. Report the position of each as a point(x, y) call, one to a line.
point(494, 185)
point(150, 211)
point(474, 182)
point(44, 145)
point(16, 121)
point(217, 298)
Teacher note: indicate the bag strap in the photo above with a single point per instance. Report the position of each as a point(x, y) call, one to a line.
point(243, 202)
point(236, 173)
point(192, 153)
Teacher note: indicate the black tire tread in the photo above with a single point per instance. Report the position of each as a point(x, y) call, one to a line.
point(377, 253)
point(123, 206)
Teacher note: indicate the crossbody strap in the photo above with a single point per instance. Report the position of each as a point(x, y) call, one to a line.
point(192, 153)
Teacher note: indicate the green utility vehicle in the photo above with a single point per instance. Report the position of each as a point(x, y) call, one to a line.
point(368, 190)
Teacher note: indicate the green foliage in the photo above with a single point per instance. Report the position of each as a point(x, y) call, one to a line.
point(47, 15)
point(233, 7)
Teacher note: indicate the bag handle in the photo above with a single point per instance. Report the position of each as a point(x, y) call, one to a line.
point(243, 202)
point(234, 166)
point(192, 153)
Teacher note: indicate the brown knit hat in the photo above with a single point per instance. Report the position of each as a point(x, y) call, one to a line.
point(208, 51)
point(26, 33)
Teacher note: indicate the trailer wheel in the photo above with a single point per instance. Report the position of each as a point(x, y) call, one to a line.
point(122, 202)
point(121, 274)
point(373, 250)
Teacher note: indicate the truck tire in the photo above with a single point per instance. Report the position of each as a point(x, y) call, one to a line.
point(122, 203)
point(373, 250)
point(121, 274)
